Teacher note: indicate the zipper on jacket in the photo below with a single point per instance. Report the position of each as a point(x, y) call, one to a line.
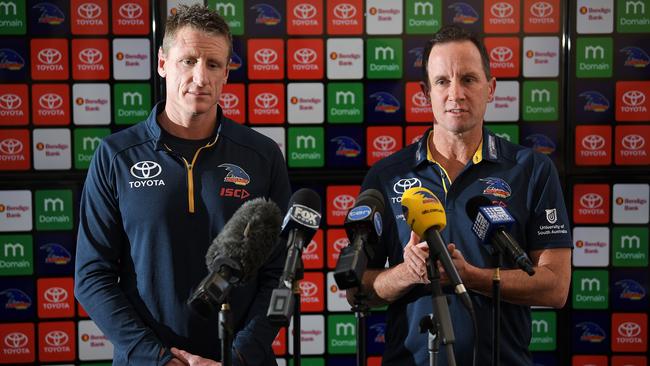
point(189, 167)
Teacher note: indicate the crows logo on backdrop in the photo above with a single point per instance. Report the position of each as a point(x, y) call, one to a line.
point(496, 187)
point(541, 143)
point(591, 332)
point(632, 290)
point(266, 14)
point(49, 14)
point(386, 102)
point(594, 101)
point(235, 62)
point(636, 57)
point(235, 174)
point(418, 52)
point(347, 146)
point(10, 59)
point(56, 254)
point(465, 14)
point(15, 299)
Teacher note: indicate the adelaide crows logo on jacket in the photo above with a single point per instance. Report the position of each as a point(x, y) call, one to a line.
point(496, 187)
point(235, 174)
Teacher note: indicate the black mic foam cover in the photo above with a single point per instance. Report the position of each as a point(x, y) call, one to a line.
point(248, 237)
point(306, 197)
point(472, 206)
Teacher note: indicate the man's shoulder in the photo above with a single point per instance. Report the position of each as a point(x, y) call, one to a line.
point(248, 138)
point(128, 137)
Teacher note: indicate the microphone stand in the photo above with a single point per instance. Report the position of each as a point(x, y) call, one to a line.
point(361, 312)
point(296, 313)
point(225, 334)
point(496, 309)
point(439, 323)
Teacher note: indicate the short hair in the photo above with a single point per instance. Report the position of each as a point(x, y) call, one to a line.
point(454, 33)
point(198, 17)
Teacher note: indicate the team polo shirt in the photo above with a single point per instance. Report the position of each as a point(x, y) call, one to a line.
point(148, 217)
point(518, 178)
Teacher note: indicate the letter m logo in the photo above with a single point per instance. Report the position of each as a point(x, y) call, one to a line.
point(14, 249)
point(347, 97)
point(344, 329)
point(8, 8)
point(590, 284)
point(592, 52)
point(226, 9)
point(129, 98)
point(630, 241)
point(540, 96)
point(423, 8)
point(90, 143)
point(540, 326)
point(634, 7)
point(384, 53)
point(53, 204)
point(306, 142)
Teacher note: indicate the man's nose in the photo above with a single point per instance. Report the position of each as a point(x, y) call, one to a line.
point(456, 91)
point(200, 74)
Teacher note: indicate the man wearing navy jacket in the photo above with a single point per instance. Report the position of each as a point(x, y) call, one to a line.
point(156, 195)
point(458, 159)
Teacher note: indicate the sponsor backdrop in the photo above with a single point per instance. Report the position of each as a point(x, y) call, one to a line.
point(336, 84)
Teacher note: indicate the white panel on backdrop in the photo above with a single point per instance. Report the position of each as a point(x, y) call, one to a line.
point(16, 212)
point(91, 104)
point(276, 134)
point(595, 16)
point(505, 106)
point(305, 103)
point(630, 203)
point(132, 59)
point(344, 58)
point(384, 17)
point(312, 335)
point(541, 57)
point(92, 343)
point(591, 246)
point(52, 149)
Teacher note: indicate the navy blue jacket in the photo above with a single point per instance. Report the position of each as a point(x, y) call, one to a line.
point(513, 176)
point(147, 219)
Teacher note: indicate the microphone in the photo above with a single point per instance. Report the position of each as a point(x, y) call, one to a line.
point(235, 255)
point(299, 226)
point(490, 225)
point(363, 226)
point(426, 217)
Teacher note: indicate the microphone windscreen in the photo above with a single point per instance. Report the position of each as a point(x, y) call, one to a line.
point(306, 197)
point(248, 237)
point(373, 198)
point(473, 205)
point(423, 210)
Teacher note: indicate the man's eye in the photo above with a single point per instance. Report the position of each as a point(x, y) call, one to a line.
point(187, 62)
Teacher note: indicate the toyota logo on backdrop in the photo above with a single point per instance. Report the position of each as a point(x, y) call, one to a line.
point(90, 56)
point(146, 169)
point(49, 56)
point(629, 329)
point(228, 100)
point(593, 142)
point(633, 142)
point(308, 288)
point(384, 143)
point(633, 98)
point(50, 101)
point(10, 101)
point(345, 11)
point(591, 200)
point(541, 9)
point(311, 248)
point(502, 10)
point(56, 338)
point(304, 11)
point(343, 202)
point(266, 100)
point(266, 56)
point(419, 99)
point(56, 294)
point(16, 340)
point(501, 54)
point(130, 11)
point(403, 184)
point(89, 10)
point(305, 56)
point(11, 146)
point(340, 243)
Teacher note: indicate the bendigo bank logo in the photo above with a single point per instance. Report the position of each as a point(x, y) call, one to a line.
point(146, 171)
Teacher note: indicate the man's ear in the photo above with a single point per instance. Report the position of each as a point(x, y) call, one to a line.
point(492, 87)
point(161, 63)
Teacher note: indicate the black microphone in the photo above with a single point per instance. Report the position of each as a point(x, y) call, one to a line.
point(299, 227)
point(235, 255)
point(490, 225)
point(363, 226)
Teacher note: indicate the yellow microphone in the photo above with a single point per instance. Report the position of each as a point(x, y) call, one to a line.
point(423, 210)
point(425, 215)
